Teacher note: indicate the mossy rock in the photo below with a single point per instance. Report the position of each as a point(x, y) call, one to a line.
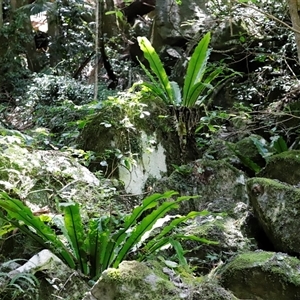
point(134, 280)
point(247, 148)
point(277, 207)
point(226, 231)
point(219, 185)
point(119, 126)
point(262, 275)
point(218, 149)
point(284, 167)
point(34, 175)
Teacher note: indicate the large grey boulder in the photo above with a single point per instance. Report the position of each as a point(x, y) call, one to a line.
point(227, 232)
point(170, 17)
point(219, 185)
point(40, 177)
point(284, 167)
point(277, 207)
point(150, 281)
point(263, 276)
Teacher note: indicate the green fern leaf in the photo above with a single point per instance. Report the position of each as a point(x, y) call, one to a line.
point(196, 67)
point(157, 67)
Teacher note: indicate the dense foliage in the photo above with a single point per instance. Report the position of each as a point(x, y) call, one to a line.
point(108, 240)
point(49, 95)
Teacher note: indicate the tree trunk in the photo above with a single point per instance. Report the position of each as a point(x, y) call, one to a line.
point(97, 15)
point(55, 35)
point(295, 17)
point(110, 27)
point(1, 13)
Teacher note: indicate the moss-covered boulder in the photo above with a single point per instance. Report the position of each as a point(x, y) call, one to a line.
point(219, 185)
point(136, 139)
point(228, 232)
point(115, 133)
point(277, 206)
point(41, 177)
point(262, 275)
point(284, 167)
point(246, 147)
point(151, 281)
point(219, 149)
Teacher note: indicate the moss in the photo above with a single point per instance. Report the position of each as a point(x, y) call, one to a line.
point(278, 264)
point(108, 131)
point(284, 167)
point(115, 275)
point(258, 186)
point(218, 149)
point(247, 148)
point(277, 207)
point(136, 278)
point(249, 274)
point(250, 259)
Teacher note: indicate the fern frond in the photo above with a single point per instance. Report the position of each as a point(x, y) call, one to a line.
point(157, 67)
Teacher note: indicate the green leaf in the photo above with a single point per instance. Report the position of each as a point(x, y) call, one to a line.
point(156, 91)
point(195, 238)
point(152, 245)
point(98, 240)
point(176, 92)
point(196, 67)
point(279, 144)
point(245, 160)
point(155, 87)
point(156, 66)
point(261, 147)
point(148, 203)
point(145, 225)
point(195, 93)
point(171, 264)
point(76, 234)
point(6, 229)
point(20, 215)
point(198, 89)
point(179, 252)
point(130, 221)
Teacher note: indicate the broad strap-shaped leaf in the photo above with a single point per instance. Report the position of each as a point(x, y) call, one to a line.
point(262, 147)
point(20, 215)
point(195, 93)
point(179, 251)
point(196, 238)
point(75, 230)
point(156, 91)
point(155, 87)
point(121, 235)
point(245, 160)
point(98, 239)
point(198, 89)
point(156, 66)
point(145, 225)
point(173, 224)
point(176, 92)
point(148, 203)
point(196, 67)
point(279, 144)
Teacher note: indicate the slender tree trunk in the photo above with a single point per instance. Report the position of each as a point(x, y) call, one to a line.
point(1, 13)
point(295, 17)
point(54, 34)
point(97, 47)
point(110, 27)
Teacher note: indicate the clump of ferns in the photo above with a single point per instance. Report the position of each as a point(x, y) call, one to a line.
point(17, 286)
